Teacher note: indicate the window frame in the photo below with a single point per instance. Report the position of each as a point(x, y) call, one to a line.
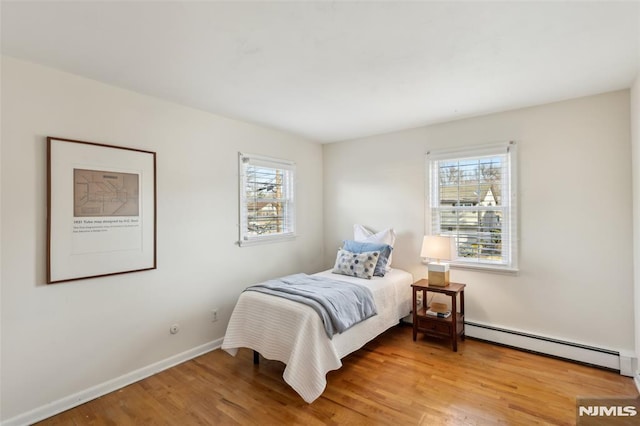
point(245, 238)
point(508, 195)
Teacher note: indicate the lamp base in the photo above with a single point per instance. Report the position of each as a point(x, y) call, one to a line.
point(438, 274)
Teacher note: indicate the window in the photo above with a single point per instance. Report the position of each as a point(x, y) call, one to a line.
point(267, 210)
point(472, 194)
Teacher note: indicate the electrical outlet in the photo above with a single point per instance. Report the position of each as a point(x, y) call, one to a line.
point(174, 329)
point(214, 315)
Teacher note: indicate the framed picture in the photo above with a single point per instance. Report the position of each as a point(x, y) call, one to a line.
point(101, 210)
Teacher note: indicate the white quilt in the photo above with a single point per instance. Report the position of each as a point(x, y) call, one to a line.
point(293, 333)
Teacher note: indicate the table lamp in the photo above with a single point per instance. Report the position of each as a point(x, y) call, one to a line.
point(439, 248)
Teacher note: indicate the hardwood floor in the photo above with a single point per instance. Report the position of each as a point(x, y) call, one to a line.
point(392, 380)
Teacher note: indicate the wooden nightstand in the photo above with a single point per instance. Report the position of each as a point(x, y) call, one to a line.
point(451, 327)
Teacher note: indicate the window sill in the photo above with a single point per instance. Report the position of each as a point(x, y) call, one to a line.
point(504, 270)
point(266, 240)
point(494, 269)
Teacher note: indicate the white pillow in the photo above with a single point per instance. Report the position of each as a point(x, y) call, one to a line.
point(387, 236)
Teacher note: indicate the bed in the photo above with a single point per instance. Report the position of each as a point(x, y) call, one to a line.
point(293, 333)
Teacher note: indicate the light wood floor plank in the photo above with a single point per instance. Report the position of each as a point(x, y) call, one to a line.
point(392, 380)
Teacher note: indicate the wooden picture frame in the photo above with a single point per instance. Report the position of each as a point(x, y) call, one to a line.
point(101, 210)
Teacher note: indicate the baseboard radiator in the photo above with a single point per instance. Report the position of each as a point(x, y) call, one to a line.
point(599, 357)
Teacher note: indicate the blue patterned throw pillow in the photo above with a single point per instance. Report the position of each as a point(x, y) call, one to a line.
point(361, 265)
point(361, 247)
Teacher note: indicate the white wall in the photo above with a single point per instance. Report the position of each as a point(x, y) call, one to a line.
point(64, 338)
point(635, 158)
point(575, 281)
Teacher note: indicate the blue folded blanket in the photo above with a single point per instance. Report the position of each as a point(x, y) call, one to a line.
point(340, 304)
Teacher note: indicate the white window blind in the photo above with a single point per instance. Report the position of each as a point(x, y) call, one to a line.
point(472, 198)
point(267, 208)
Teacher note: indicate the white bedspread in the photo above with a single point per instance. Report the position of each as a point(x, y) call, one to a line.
point(293, 333)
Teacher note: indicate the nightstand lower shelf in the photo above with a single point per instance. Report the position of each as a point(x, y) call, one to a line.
point(439, 327)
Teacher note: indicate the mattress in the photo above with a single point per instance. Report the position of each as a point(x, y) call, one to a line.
point(293, 333)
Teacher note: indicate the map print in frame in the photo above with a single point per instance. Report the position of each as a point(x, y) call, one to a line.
point(101, 210)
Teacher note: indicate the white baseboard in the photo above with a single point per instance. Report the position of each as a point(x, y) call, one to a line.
point(562, 349)
point(94, 392)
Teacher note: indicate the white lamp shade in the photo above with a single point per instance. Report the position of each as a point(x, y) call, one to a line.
point(436, 247)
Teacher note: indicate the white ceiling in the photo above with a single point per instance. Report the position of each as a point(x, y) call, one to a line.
point(337, 70)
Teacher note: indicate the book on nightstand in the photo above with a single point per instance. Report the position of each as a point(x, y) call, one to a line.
point(438, 314)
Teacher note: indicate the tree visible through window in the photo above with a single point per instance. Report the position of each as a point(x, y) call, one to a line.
point(266, 198)
point(471, 199)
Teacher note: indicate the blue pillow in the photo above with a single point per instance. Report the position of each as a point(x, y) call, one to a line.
point(384, 249)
